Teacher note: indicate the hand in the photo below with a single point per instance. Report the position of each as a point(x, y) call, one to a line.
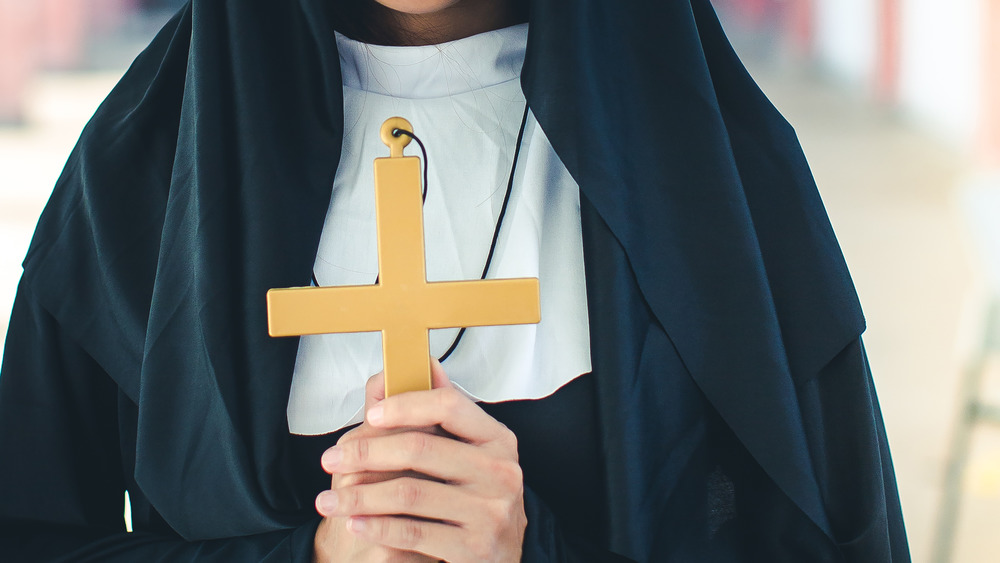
point(332, 541)
point(473, 510)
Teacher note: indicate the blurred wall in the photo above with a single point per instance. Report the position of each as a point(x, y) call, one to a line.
point(941, 69)
point(40, 35)
point(927, 56)
point(846, 33)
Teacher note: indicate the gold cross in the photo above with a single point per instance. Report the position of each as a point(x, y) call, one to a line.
point(402, 304)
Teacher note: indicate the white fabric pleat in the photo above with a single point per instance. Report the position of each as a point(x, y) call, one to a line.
point(465, 103)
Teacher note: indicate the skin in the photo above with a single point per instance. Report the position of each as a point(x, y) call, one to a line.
point(333, 540)
point(428, 476)
point(428, 22)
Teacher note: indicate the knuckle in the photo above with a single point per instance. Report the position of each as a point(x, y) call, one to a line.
point(417, 445)
point(379, 529)
point(361, 449)
point(516, 478)
point(410, 534)
point(352, 499)
point(408, 493)
point(508, 474)
point(498, 512)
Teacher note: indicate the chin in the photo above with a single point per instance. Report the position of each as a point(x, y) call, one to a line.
point(418, 6)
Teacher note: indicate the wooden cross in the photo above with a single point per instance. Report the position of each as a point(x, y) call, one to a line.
point(402, 304)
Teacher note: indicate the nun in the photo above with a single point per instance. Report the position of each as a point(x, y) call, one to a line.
point(697, 389)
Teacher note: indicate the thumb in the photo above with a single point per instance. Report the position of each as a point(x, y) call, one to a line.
point(439, 379)
point(374, 390)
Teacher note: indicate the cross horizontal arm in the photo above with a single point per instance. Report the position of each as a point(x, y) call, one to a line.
point(483, 303)
point(322, 310)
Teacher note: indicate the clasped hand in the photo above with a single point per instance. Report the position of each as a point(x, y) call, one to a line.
point(428, 476)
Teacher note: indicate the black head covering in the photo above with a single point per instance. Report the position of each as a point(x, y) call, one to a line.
point(205, 177)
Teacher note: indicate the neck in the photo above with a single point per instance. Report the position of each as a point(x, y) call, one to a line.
point(462, 19)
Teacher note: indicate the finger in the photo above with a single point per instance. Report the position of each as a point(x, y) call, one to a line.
point(439, 379)
point(367, 431)
point(435, 539)
point(403, 497)
point(374, 389)
point(447, 407)
point(340, 481)
point(332, 532)
point(435, 456)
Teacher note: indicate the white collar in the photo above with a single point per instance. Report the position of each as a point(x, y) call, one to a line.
point(470, 137)
point(434, 71)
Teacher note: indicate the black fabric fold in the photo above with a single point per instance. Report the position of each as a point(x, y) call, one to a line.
point(713, 275)
point(704, 185)
point(683, 486)
point(64, 434)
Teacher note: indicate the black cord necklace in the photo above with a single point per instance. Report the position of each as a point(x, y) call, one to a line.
point(496, 230)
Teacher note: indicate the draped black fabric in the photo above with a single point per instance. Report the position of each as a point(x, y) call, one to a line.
point(737, 417)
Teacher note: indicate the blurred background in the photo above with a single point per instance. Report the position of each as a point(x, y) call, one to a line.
point(897, 105)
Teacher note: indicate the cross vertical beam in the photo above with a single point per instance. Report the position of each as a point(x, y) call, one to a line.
point(402, 305)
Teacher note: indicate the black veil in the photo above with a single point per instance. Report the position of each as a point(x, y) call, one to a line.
point(204, 179)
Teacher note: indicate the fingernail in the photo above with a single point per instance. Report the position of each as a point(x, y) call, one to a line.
point(356, 524)
point(375, 414)
point(332, 457)
point(328, 501)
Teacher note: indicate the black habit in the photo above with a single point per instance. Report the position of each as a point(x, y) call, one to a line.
point(730, 414)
